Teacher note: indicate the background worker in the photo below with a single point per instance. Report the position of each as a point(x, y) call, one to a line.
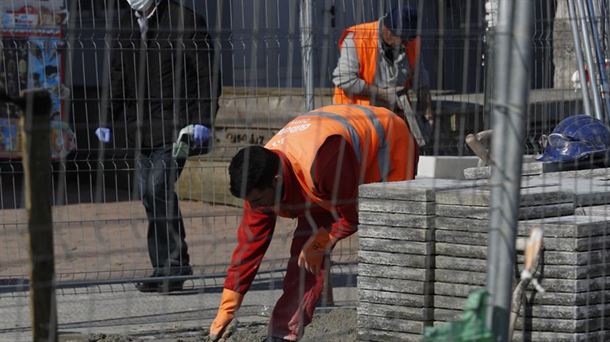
point(317, 183)
point(161, 81)
point(380, 59)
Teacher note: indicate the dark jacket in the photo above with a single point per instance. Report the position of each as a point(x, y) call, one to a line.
point(164, 83)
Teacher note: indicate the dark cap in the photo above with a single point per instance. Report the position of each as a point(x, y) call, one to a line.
point(402, 21)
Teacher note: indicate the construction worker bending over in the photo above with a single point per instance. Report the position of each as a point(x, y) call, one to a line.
point(310, 170)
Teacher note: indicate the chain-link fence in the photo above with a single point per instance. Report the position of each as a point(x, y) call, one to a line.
point(123, 88)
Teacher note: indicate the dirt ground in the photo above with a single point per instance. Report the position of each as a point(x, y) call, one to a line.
point(337, 325)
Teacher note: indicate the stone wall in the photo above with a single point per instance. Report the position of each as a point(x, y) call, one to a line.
point(423, 249)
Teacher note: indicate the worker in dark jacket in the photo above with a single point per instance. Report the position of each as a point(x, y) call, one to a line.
point(164, 80)
point(310, 170)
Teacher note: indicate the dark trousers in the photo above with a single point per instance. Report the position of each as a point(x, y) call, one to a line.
point(167, 249)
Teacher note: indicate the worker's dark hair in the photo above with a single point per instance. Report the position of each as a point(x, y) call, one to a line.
point(253, 167)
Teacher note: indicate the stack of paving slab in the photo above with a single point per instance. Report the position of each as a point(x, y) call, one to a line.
point(461, 239)
point(396, 258)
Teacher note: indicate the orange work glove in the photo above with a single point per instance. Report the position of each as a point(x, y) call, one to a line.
point(313, 251)
point(230, 301)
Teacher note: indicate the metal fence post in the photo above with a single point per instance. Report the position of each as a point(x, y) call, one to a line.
point(509, 106)
point(307, 50)
point(36, 149)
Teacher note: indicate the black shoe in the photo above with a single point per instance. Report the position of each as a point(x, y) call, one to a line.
point(164, 286)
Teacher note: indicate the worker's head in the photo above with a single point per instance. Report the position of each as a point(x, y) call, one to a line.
point(575, 138)
point(141, 5)
point(254, 173)
point(400, 25)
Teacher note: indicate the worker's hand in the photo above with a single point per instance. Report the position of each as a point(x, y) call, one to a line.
point(201, 134)
point(389, 95)
point(312, 254)
point(230, 301)
point(103, 134)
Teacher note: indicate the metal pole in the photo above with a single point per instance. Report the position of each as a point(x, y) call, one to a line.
point(600, 60)
point(580, 9)
point(509, 107)
point(38, 197)
point(579, 59)
point(307, 51)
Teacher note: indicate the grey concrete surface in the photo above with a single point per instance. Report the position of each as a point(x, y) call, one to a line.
point(108, 310)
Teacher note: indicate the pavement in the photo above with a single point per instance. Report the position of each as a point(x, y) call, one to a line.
point(119, 309)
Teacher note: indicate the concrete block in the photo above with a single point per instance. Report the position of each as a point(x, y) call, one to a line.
point(396, 220)
point(525, 213)
point(395, 272)
point(543, 336)
point(462, 277)
point(481, 196)
point(392, 298)
point(383, 336)
point(547, 271)
point(461, 224)
point(571, 226)
point(597, 210)
point(395, 206)
point(395, 285)
point(550, 243)
point(395, 246)
point(389, 324)
point(447, 167)
point(449, 249)
point(395, 259)
point(395, 311)
point(413, 190)
point(536, 326)
point(394, 233)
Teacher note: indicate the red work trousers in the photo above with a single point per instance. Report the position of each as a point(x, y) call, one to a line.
point(302, 290)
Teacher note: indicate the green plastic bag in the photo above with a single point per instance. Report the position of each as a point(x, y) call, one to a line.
point(471, 327)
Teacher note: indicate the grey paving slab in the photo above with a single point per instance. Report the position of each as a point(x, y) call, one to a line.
point(550, 285)
point(525, 213)
point(413, 190)
point(537, 325)
point(550, 243)
point(395, 220)
point(395, 272)
point(392, 298)
point(382, 205)
point(547, 271)
point(395, 285)
point(395, 259)
point(395, 311)
point(569, 311)
point(383, 336)
point(570, 226)
point(544, 336)
point(450, 249)
point(389, 324)
point(461, 224)
point(395, 233)
point(396, 246)
point(462, 277)
point(596, 210)
point(481, 197)
point(550, 299)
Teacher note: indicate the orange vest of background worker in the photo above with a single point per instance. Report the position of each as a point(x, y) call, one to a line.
point(310, 170)
point(380, 59)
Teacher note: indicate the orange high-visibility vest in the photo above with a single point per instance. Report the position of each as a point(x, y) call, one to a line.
point(381, 141)
point(366, 39)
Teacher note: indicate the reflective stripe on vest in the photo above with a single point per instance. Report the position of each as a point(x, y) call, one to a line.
point(383, 154)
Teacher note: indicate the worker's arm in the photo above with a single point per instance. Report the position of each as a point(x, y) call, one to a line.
point(253, 237)
point(347, 72)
